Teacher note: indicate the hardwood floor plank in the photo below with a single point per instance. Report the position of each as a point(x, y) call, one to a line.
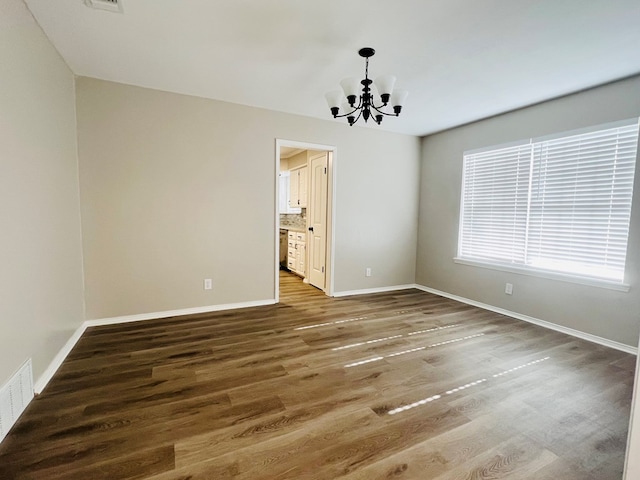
point(437, 455)
point(136, 466)
point(209, 445)
point(288, 455)
point(402, 384)
point(561, 469)
point(515, 458)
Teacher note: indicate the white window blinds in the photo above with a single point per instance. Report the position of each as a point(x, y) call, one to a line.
point(560, 204)
point(495, 198)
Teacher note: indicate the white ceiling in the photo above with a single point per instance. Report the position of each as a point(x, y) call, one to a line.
point(461, 60)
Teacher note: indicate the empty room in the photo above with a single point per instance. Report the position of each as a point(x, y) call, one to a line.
point(333, 240)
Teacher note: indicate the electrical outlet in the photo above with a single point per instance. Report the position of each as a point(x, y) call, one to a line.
point(508, 288)
point(367, 272)
point(208, 284)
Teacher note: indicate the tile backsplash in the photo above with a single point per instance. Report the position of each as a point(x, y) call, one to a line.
point(294, 220)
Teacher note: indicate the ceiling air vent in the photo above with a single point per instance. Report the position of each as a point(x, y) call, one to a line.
point(109, 5)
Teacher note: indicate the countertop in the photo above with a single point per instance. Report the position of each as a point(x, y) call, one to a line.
point(293, 229)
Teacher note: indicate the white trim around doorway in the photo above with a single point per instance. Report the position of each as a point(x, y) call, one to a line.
point(331, 233)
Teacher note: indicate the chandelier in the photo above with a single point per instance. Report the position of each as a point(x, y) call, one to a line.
point(364, 104)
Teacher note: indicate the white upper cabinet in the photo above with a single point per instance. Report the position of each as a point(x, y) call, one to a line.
point(285, 192)
point(298, 187)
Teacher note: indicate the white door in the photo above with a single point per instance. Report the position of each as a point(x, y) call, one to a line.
point(317, 213)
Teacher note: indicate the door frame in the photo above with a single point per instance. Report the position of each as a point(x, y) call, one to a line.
point(331, 203)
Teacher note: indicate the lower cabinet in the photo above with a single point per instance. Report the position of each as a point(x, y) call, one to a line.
point(297, 252)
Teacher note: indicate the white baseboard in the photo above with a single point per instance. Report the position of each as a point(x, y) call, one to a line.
point(543, 323)
point(367, 291)
point(44, 379)
point(176, 313)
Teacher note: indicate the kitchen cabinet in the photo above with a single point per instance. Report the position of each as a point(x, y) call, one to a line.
point(298, 187)
point(301, 251)
point(297, 252)
point(284, 205)
point(302, 186)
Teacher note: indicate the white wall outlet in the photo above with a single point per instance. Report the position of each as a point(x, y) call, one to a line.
point(367, 272)
point(508, 288)
point(208, 284)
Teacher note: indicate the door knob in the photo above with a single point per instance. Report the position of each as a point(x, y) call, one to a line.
point(311, 229)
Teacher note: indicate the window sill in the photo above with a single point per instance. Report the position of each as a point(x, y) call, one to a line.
point(591, 282)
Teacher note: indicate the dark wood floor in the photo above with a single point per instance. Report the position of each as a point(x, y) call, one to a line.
point(402, 385)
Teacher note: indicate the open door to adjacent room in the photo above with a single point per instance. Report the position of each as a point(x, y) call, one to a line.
point(304, 231)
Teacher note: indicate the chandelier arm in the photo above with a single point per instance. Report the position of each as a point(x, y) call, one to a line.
point(377, 109)
point(355, 109)
point(360, 103)
point(350, 114)
point(358, 117)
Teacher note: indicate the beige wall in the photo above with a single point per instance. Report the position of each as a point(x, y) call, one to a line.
point(606, 313)
point(40, 247)
point(176, 189)
point(297, 160)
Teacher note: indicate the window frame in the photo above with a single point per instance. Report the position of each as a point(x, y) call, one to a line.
point(529, 270)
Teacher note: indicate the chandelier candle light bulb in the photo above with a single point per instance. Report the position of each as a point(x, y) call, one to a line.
point(364, 104)
point(350, 87)
point(385, 84)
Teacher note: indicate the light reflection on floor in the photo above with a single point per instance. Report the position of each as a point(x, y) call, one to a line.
point(377, 340)
point(337, 322)
point(463, 387)
point(432, 398)
point(368, 342)
point(411, 350)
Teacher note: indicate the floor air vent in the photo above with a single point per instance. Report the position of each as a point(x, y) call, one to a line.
point(109, 5)
point(15, 395)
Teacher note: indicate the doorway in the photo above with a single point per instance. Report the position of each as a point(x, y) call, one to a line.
point(304, 223)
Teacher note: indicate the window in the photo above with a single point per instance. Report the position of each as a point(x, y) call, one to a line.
point(553, 205)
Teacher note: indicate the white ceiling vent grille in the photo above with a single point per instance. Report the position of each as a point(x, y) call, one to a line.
point(109, 5)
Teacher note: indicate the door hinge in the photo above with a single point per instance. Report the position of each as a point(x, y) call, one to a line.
point(322, 269)
point(325, 170)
